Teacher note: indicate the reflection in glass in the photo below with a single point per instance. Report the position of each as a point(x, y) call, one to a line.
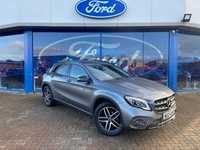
point(156, 56)
point(58, 46)
point(143, 54)
point(12, 62)
point(188, 73)
point(107, 72)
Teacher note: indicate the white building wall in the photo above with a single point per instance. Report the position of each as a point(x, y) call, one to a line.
point(193, 7)
point(167, 10)
point(62, 13)
point(8, 12)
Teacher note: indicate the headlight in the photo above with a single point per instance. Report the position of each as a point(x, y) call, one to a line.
point(137, 102)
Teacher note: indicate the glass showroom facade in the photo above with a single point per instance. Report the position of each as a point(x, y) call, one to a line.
point(12, 61)
point(167, 57)
point(188, 70)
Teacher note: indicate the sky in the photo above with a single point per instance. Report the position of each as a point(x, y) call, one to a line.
point(12, 47)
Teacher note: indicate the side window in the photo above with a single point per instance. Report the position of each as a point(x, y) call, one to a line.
point(62, 69)
point(77, 71)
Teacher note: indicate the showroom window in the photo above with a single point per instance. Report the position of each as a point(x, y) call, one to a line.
point(49, 48)
point(12, 62)
point(188, 74)
point(143, 54)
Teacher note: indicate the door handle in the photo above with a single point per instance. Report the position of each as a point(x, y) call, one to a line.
point(69, 80)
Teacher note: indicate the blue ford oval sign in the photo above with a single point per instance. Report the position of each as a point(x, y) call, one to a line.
point(100, 8)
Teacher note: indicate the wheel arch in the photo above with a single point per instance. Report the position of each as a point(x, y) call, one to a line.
point(45, 84)
point(103, 99)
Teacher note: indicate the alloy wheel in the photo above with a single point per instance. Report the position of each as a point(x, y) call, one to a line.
point(108, 119)
point(48, 97)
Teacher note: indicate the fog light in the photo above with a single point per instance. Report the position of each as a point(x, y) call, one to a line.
point(140, 123)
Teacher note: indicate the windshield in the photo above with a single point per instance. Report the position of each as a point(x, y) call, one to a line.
point(107, 72)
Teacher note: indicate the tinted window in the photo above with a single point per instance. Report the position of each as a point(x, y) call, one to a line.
point(62, 69)
point(77, 71)
point(106, 72)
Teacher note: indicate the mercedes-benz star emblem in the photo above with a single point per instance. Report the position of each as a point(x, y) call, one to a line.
point(169, 103)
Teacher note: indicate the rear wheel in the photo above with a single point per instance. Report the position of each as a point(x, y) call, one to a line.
point(48, 97)
point(108, 119)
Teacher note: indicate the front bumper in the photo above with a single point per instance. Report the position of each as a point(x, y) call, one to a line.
point(162, 123)
point(136, 118)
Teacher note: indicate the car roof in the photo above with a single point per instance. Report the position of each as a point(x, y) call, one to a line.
point(83, 62)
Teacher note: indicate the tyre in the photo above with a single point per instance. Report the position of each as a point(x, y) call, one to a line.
point(108, 119)
point(48, 97)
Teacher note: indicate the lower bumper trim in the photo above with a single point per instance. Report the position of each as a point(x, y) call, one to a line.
point(163, 123)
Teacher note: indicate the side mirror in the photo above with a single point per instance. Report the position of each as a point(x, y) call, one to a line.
point(83, 79)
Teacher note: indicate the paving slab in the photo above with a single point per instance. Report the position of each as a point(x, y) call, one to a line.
point(26, 123)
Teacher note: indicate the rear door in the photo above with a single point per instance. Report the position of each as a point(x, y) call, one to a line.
point(59, 79)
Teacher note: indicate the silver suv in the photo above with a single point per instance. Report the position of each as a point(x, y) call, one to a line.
point(116, 100)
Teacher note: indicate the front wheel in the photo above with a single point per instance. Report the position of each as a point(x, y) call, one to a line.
point(108, 119)
point(48, 97)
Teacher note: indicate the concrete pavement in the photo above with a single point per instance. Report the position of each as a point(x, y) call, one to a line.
point(26, 123)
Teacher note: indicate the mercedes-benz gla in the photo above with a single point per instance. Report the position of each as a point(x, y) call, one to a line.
point(115, 99)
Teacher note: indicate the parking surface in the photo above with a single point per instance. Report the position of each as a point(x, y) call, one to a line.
point(26, 123)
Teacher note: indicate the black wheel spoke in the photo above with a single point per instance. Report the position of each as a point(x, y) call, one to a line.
point(116, 124)
point(103, 119)
point(108, 126)
point(115, 115)
point(106, 111)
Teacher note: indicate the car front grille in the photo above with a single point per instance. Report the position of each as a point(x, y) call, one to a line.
point(164, 104)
